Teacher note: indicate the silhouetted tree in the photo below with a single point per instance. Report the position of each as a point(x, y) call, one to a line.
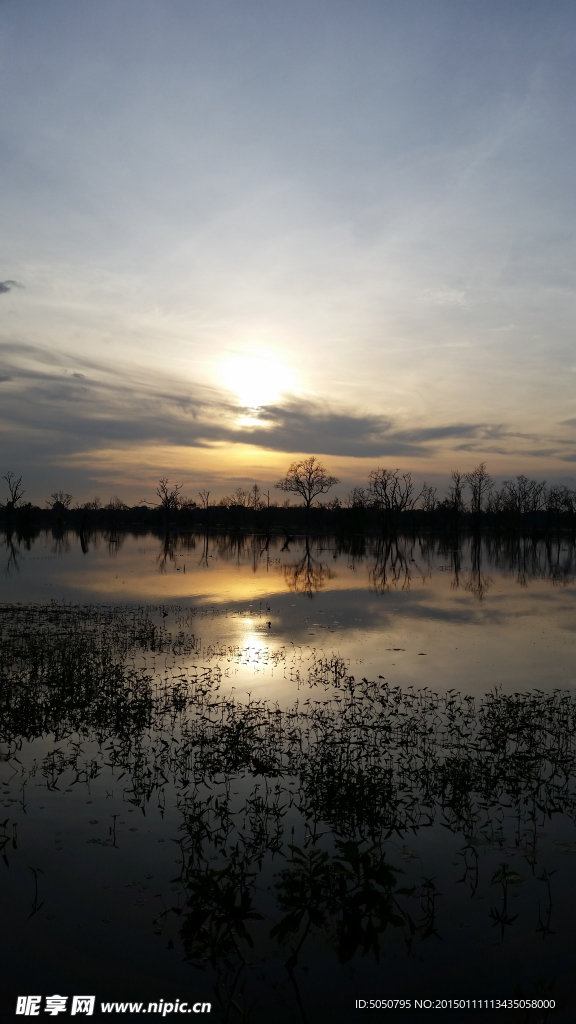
point(428, 497)
point(15, 488)
point(455, 498)
point(307, 478)
point(116, 505)
point(560, 498)
point(523, 495)
point(238, 497)
point(391, 492)
point(256, 500)
point(169, 496)
point(480, 483)
point(332, 504)
point(358, 498)
point(59, 498)
point(245, 498)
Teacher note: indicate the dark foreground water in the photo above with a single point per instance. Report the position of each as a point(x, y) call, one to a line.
point(281, 778)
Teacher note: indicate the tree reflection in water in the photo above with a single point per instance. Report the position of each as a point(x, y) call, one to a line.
point(291, 819)
point(308, 575)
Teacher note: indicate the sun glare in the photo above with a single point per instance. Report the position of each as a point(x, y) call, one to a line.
point(257, 381)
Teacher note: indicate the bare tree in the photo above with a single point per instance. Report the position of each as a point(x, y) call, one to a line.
point(480, 483)
point(357, 498)
point(455, 499)
point(523, 495)
point(238, 497)
point(307, 478)
point(15, 488)
point(256, 499)
point(390, 491)
point(428, 497)
point(495, 502)
point(59, 498)
point(245, 498)
point(169, 496)
point(204, 496)
point(116, 505)
point(560, 498)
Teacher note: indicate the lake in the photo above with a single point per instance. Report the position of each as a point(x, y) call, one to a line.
point(280, 775)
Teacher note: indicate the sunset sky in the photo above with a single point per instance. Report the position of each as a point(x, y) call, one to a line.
point(235, 232)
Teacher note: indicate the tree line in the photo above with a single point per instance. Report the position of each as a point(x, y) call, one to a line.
point(388, 494)
point(474, 492)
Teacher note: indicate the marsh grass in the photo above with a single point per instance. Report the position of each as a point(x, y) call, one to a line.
point(292, 819)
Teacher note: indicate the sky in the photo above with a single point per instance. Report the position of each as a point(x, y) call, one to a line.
point(238, 232)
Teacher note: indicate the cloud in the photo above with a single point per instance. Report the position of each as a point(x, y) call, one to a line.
point(94, 403)
point(439, 433)
point(483, 448)
point(298, 425)
point(63, 410)
point(6, 286)
point(68, 408)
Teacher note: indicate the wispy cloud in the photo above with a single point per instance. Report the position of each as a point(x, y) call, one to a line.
point(67, 406)
point(7, 286)
point(302, 425)
point(390, 216)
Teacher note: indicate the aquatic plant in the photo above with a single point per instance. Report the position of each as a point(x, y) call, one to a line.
point(291, 818)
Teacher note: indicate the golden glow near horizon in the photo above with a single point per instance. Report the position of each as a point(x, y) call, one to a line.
point(243, 237)
point(257, 380)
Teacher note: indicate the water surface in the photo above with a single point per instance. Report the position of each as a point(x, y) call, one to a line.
point(283, 775)
point(471, 615)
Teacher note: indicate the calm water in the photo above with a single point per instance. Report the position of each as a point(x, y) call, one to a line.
point(418, 614)
point(203, 800)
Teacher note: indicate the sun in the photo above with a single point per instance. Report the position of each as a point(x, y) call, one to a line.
point(257, 380)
